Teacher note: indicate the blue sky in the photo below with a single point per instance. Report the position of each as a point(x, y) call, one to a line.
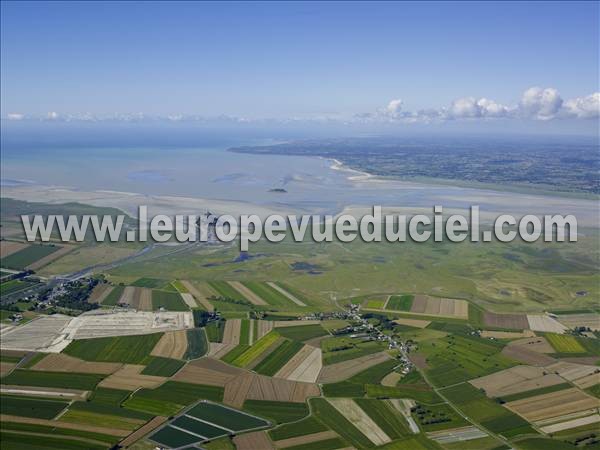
point(283, 60)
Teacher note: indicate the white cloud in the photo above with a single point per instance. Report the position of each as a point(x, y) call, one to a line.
point(583, 107)
point(394, 107)
point(52, 115)
point(15, 116)
point(541, 104)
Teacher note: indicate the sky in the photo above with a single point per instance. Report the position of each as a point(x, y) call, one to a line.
point(521, 63)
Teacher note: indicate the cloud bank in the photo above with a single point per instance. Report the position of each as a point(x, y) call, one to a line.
point(536, 103)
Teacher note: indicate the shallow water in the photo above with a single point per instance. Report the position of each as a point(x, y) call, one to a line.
point(312, 185)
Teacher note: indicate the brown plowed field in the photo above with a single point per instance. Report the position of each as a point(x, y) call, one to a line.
point(207, 371)
point(306, 439)
point(142, 299)
point(127, 296)
point(6, 368)
point(237, 389)
point(247, 293)
point(507, 334)
point(416, 323)
point(218, 350)
point(343, 370)
point(9, 247)
point(51, 257)
point(200, 294)
point(172, 344)
point(231, 334)
point(267, 388)
point(264, 326)
point(59, 362)
point(516, 379)
point(553, 404)
point(310, 368)
point(526, 356)
point(100, 292)
point(143, 431)
point(259, 440)
point(294, 362)
point(129, 378)
point(537, 344)
point(508, 321)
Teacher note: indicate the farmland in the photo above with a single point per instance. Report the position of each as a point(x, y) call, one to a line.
point(315, 374)
point(24, 377)
point(205, 421)
point(564, 343)
point(277, 359)
point(126, 349)
point(27, 256)
point(457, 358)
point(114, 296)
point(340, 349)
point(31, 407)
point(302, 332)
point(163, 367)
point(278, 412)
point(400, 302)
point(170, 301)
point(197, 344)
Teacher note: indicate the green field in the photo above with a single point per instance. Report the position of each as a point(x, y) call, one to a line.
point(278, 358)
point(488, 413)
point(113, 297)
point(162, 367)
point(386, 416)
point(152, 283)
point(23, 258)
point(85, 417)
point(178, 285)
point(171, 301)
point(457, 358)
point(270, 295)
point(197, 344)
point(107, 396)
point(19, 441)
point(278, 412)
point(245, 331)
point(400, 302)
point(330, 416)
point(225, 290)
point(375, 303)
point(338, 349)
point(251, 353)
point(67, 380)
point(302, 332)
point(31, 407)
point(109, 410)
point(170, 397)
point(13, 286)
point(355, 385)
point(215, 330)
point(125, 349)
point(235, 353)
point(57, 430)
point(563, 343)
point(303, 427)
point(438, 417)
